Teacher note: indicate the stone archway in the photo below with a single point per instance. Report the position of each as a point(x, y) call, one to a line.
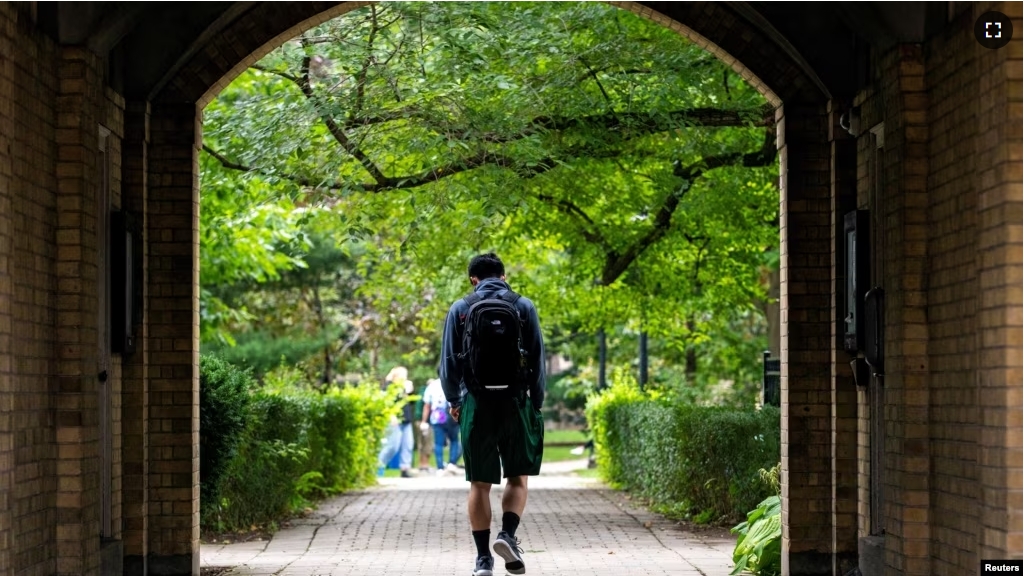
point(811, 540)
point(98, 111)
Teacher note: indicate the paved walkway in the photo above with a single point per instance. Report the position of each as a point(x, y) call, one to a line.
point(418, 527)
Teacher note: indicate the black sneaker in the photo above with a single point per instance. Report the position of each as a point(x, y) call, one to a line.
point(484, 566)
point(508, 548)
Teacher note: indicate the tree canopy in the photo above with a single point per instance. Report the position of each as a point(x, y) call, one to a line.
point(625, 175)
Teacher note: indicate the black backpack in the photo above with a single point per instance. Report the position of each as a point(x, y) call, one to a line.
point(493, 360)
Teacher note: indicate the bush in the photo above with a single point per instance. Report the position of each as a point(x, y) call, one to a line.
point(223, 415)
point(690, 461)
point(261, 352)
point(298, 445)
point(759, 546)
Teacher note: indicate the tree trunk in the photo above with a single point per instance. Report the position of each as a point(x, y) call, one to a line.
point(772, 315)
point(643, 359)
point(691, 365)
point(325, 378)
point(691, 355)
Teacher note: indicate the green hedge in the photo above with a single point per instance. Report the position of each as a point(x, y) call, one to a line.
point(689, 461)
point(297, 445)
point(223, 410)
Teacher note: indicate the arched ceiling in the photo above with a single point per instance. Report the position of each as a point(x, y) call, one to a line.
point(177, 51)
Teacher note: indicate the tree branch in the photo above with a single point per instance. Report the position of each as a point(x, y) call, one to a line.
point(232, 165)
point(588, 227)
point(704, 241)
point(616, 264)
point(284, 75)
point(334, 129)
point(403, 182)
point(635, 121)
point(367, 62)
point(702, 63)
point(590, 73)
point(604, 92)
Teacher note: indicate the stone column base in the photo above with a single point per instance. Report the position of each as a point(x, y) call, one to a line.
point(871, 552)
point(807, 564)
point(111, 556)
point(153, 565)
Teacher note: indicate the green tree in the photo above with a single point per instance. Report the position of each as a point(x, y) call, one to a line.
point(625, 174)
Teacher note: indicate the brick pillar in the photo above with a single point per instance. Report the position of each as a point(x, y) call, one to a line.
point(173, 284)
point(77, 391)
point(805, 299)
point(135, 375)
point(999, 316)
point(843, 152)
point(7, 132)
point(904, 217)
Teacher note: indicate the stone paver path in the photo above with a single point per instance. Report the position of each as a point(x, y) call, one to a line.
point(418, 527)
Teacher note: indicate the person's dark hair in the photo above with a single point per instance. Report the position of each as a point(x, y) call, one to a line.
point(486, 266)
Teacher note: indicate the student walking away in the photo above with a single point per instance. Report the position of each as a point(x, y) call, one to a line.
point(492, 373)
point(435, 416)
point(399, 433)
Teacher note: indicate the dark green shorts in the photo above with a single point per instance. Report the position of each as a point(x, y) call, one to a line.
point(503, 434)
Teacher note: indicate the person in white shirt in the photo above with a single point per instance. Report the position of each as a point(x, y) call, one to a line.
point(435, 414)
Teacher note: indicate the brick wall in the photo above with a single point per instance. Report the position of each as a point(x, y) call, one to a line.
point(28, 84)
point(51, 105)
point(173, 341)
point(952, 302)
point(947, 250)
point(805, 311)
point(135, 381)
point(974, 296)
point(950, 235)
point(843, 183)
point(998, 258)
point(865, 152)
point(84, 107)
point(903, 210)
point(899, 219)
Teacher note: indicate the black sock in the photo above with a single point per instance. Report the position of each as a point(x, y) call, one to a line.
point(509, 523)
point(483, 542)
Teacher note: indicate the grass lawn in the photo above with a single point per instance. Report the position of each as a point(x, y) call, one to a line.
point(551, 453)
point(560, 453)
point(551, 436)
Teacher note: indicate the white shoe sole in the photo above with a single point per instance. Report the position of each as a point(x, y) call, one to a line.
point(501, 548)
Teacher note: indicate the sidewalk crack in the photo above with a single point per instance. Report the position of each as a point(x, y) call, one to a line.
point(312, 537)
point(650, 528)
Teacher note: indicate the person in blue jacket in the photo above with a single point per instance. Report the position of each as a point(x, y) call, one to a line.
point(499, 433)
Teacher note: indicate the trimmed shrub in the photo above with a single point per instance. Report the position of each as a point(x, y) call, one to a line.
point(689, 461)
point(298, 445)
point(223, 415)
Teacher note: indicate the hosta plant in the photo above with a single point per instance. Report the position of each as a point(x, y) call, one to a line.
point(759, 547)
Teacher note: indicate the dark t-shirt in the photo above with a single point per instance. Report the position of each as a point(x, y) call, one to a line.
point(409, 412)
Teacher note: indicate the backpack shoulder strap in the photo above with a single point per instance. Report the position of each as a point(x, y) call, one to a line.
point(472, 299)
point(509, 296)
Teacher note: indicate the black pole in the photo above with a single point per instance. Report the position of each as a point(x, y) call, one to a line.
point(643, 359)
point(602, 359)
